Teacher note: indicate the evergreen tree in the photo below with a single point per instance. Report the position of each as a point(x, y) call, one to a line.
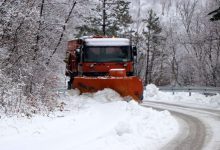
point(111, 18)
point(153, 39)
point(123, 18)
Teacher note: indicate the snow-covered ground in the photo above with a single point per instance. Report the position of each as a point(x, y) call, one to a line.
point(152, 93)
point(100, 121)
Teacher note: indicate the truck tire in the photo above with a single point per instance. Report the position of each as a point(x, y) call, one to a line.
point(69, 84)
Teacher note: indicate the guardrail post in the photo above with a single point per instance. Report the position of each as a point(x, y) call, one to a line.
point(205, 93)
point(173, 91)
point(190, 92)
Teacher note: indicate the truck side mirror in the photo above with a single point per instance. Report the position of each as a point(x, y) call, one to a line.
point(134, 49)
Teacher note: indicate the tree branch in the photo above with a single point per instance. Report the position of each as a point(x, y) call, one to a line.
point(62, 34)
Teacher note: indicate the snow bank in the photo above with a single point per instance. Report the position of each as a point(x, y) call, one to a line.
point(152, 93)
point(100, 121)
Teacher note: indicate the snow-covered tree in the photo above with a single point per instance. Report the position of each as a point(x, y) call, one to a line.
point(151, 49)
point(31, 36)
point(109, 17)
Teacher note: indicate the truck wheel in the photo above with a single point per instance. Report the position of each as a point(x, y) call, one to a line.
point(141, 97)
point(69, 85)
point(70, 82)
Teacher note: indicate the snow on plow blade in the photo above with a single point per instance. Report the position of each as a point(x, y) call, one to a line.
point(125, 86)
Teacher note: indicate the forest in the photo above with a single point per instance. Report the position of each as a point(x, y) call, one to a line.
point(178, 43)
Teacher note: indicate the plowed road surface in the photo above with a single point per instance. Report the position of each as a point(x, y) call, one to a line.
point(199, 128)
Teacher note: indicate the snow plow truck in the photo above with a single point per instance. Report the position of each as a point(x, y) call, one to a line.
point(95, 63)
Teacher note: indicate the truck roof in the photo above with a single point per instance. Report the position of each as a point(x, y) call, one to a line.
point(107, 42)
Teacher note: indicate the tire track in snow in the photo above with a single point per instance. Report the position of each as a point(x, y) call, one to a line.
point(193, 131)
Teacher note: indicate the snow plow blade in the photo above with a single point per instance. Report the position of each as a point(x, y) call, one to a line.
point(125, 86)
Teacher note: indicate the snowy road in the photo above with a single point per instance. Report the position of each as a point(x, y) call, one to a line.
point(200, 127)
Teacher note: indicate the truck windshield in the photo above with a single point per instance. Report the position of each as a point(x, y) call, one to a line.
point(107, 54)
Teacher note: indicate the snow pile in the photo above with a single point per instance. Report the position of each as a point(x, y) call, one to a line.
point(99, 121)
point(152, 93)
point(151, 90)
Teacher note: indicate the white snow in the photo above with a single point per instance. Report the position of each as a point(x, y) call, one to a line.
point(152, 93)
point(107, 42)
point(100, 121)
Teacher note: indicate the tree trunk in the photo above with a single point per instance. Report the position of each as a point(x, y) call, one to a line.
point(148, 56)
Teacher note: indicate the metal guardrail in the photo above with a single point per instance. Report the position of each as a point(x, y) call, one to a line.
point(208, 91)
